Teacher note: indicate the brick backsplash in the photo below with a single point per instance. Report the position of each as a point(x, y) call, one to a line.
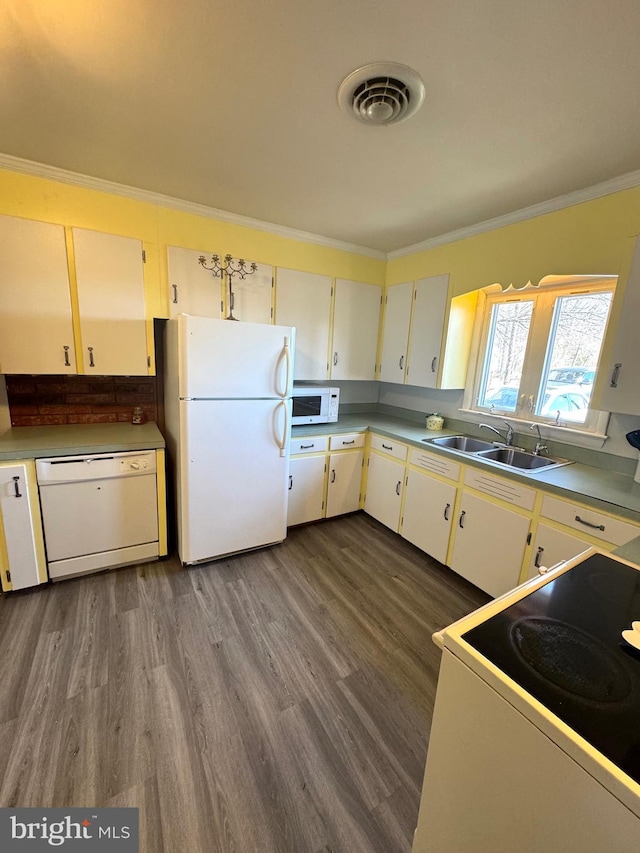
point(51, 400)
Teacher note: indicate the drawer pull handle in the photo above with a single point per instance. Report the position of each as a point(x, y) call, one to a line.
point(353, 441)
point(614, 375)
point(433, 363)
point(539, 553)
point(589, 524)
point(461, 519)
point(387, 447)
point(306, 446)
point(16, 480)
point(290, 482)
point(333, 475)
point(446, 512)
point(398, 487)
point(67, 363)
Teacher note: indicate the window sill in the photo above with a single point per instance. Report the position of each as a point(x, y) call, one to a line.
point(576, 437)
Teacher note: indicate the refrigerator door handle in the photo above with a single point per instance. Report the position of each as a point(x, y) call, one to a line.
point(282, 443)
point(286, 352)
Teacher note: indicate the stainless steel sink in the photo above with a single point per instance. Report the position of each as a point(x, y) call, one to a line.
point(513, 458)
point(461, 442)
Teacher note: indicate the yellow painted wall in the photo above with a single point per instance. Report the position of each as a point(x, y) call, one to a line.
point(585, 238)
point(158, 227)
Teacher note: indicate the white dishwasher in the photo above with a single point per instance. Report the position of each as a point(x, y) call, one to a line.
point(99, 511)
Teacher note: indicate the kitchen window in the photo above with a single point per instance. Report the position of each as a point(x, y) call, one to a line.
point(538, 352)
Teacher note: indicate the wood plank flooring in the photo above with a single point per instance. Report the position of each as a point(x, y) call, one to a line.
point(278, 701)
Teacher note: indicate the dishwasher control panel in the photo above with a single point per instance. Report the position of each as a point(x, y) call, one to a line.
point(98, 466)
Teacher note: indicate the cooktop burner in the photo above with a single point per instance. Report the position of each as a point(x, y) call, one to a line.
point(562, 644)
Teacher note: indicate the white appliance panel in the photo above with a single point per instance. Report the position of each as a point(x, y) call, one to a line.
point(225, 360)
point(233, 489)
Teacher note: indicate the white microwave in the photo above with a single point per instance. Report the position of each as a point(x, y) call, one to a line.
point(314, 404)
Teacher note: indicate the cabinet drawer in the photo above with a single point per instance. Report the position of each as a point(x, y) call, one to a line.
point(506, 490)
point(346, 442)
point(310, 444)
point(389, 446)
point(589, 521)
point(435, 463)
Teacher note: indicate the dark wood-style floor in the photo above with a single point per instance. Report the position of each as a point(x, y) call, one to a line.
point(276, 701)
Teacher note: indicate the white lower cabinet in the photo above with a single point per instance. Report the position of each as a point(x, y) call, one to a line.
point(306, 489)
point(385, 480)
point(552, 546)
point(489, 544)
point(344, 483)
point(428, 513)
point(22, 560)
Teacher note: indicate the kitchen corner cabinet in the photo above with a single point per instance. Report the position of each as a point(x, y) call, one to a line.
point(552, 546)
point(356, 322)
point(192, 288)
point(303, 300)
point(110, 282)
point(22, 558)
point(427, 337)
point(617, 384)
point(385, 480)
point(36, 329)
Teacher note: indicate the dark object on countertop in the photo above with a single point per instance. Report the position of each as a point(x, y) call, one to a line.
point(633, 438)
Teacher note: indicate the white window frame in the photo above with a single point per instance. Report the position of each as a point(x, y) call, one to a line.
point(544, 296)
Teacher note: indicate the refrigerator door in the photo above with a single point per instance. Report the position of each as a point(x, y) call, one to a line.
point(234, 476)
point(220, 359)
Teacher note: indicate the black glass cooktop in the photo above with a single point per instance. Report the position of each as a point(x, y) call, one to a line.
point(562, 644)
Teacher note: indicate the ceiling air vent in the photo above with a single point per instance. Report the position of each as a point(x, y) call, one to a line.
point(382, 93)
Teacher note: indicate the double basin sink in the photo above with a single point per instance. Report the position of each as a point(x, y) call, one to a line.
point(509, 457)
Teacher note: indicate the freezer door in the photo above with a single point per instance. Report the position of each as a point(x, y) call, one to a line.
point(233, 488)
point(221, 359)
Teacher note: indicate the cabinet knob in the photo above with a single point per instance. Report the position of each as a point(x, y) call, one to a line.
point(614, 375)
point(539, 554)
point(333, 475)
point(175, 294)
point(16, 480)
point(401, 362)
point(290, 482)
point(335, 358)
point(446, 512)
point(461, 519)
point(433, 363)
point(398, 487)
point(91, 361)
point(67, 363)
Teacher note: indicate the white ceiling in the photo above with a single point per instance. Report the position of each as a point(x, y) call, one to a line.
point(232, 104)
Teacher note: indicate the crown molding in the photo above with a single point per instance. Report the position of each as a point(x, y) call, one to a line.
point(42, 170)
point(623, 182)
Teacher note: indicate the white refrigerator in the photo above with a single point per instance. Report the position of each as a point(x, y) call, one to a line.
point(228, 416)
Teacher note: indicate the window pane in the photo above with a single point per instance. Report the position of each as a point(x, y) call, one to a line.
point(506, 345)
point(572, 356)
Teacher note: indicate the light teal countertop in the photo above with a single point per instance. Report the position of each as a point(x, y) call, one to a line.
point(597, 487)
point(76, 439)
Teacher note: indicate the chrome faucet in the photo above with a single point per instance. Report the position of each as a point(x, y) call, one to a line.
point(508, 437)
point(540, 447)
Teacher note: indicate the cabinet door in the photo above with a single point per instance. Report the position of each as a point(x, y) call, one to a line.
point(345, 478)
point(110, 278)
point(397, 316)
point(21, 549)
point(489, 544)
point(306, 489)
point(384, 490)
point(428, 514)
point(356, 321)
point(427, 329)
point(303, 300)
point(617, 387)
point(192, 288)
point(36, 331)
point(251, 295)
point(552, 546)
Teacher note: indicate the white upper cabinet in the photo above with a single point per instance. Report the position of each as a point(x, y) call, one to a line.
point(397, 319)
point(617, 385)
point(303, 300)
point(427, 331)
point(36, 330)
point(356, 321)
point(192, 288)
point(251, 295)
point(110, 279)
